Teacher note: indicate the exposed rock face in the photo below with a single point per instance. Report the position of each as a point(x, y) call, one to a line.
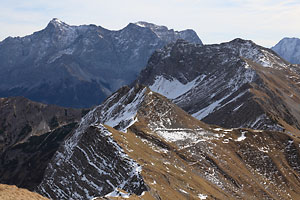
point(8, 192)
point(234, 84)
point(289, 49)
point(90, 164)
point(79, 66)
point(30, 134)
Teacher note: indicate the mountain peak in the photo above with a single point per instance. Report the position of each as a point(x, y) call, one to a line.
point(56, 21)
point(57, 24)
point(241, 41)
point(170, 35)
point(289, 49)
point(150, 25)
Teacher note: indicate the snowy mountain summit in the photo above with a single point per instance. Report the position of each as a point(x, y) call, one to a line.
point(63, 64)
point(170, 35)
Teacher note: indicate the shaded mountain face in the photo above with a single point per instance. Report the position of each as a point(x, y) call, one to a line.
point(234, 84)
point(79, 66)
point(30, 133)
point(289, 49)
point(155, 150)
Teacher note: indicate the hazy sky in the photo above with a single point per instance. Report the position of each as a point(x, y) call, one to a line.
point(215, 21)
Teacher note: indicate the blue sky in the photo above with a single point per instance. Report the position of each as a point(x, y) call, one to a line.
point(215, 21)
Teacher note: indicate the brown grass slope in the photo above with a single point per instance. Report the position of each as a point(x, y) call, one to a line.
point(279, 95)
point(9, 192)
point(211, 162)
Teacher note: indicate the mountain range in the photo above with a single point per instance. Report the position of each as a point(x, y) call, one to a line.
point(79, 66)
point(146, 140)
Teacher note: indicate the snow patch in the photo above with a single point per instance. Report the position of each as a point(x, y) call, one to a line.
point(209, 109)
point(202, 196)
point(126, 116)
point(173, 88)
point(241, 138)
point(117, 193)
point(183, 191)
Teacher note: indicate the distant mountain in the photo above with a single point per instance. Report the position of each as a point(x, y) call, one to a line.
point(289, 49)
point(158, 151)
point(79, 66)
point(234, 84)
point(30, 133)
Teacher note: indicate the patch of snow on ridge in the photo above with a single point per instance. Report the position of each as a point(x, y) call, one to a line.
point(234, 84)
point(202, 196)
point(117, 193)
point(182, 134)
point(127, 115)
point(56, 56)
point(241, 138)
point(172, 88)
point(209, 109)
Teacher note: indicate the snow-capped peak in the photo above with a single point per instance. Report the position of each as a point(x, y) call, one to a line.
point(258, 54)
point(152, 26)
point(58, 23)
point(170, 35)
point(56, 20)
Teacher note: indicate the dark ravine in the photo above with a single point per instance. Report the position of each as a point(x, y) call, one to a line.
point(79, 66)
point(30, 135)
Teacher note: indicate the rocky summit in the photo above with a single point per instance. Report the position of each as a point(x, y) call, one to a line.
point(79, 66)
point(233, 84)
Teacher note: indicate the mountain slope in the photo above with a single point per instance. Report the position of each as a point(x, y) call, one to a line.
point(8, 192)
point(234, 84)
point(30, 134)
point(90, 164)
point(289, 49)
point(79, 66)
point(178, 156)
